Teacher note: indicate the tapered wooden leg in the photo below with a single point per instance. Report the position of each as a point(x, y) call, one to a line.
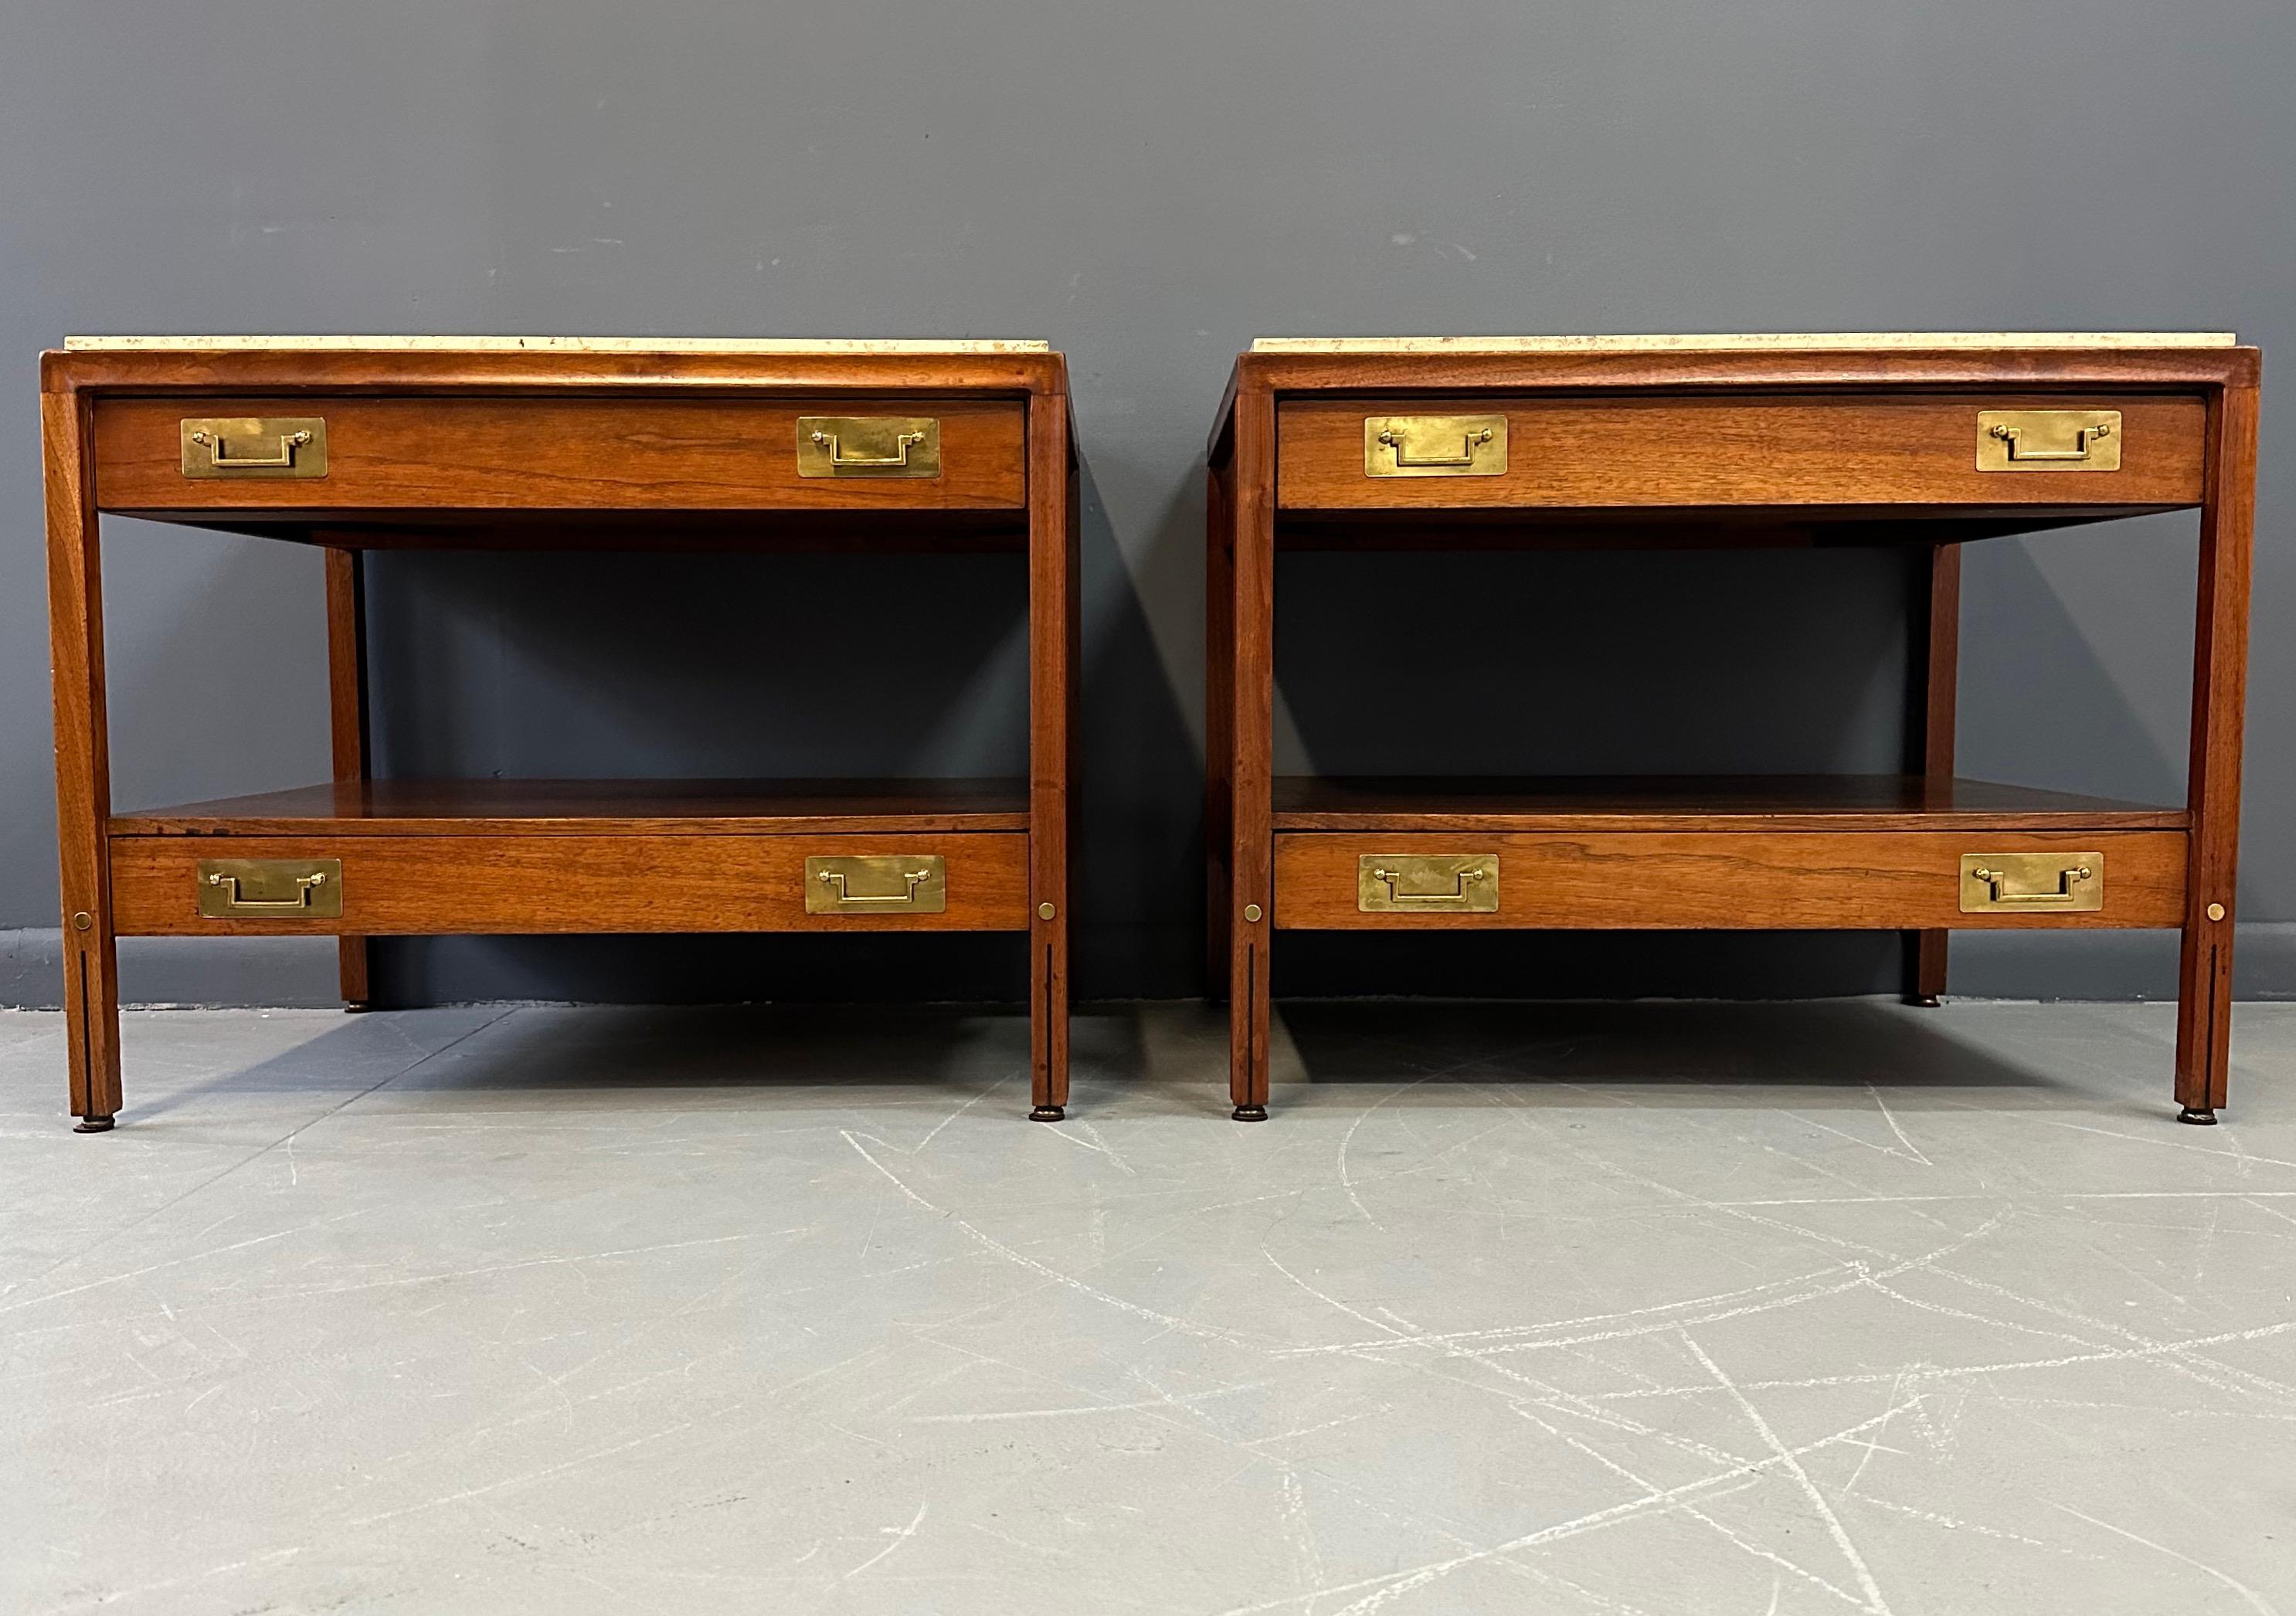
point(1220, 721)
point(1250, 736)
point(2212, 793)
point(1937, 657)
point(83, 771)
point(346, 707)
point(1053, 663)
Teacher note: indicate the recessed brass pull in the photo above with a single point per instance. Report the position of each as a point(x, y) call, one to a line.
point(1435, 446)
point(255, 446)
point(1410, 883)
point(909, 883)
point(868, 445)
point(2072, 881)
point(271, 888)
point(2048, 440)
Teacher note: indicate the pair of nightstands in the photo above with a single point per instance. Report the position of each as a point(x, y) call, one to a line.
point(1925, 442)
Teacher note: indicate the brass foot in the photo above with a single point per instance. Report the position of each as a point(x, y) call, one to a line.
point(93, 1125)
point(2199, 1115)
point(1923, 1001)
point(356, 1006)
point(1048, 1114)
point(1252, 1113)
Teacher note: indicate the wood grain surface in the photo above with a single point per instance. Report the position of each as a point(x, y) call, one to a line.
point(1845, 880)
point(473, 454)
point(595, 807)
point(495, 885)
point(1831, 450)
point(1694, 802)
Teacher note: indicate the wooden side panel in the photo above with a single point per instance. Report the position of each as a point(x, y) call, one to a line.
point(549, 453)
point(2219, 702)
point(1846, 880)
point(1937, 658)
point(488, 885)
point(1053, 665)
point(346, 716)
point(1220, 721)
point(1251, 755)
point(1741, 450)
point(83, 754)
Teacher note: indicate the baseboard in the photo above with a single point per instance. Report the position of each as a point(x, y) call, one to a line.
point(300, 970)
point(265, 970)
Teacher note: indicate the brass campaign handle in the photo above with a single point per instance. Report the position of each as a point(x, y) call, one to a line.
point(838, 457)
point(1466, 456)
point(304, 888)
point(912, 880)
point(2084, 440)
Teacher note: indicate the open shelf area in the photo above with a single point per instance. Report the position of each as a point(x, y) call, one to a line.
point(598, 807)
point(1694, 802)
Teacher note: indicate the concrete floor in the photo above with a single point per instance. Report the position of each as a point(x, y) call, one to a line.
point(1656, 1309)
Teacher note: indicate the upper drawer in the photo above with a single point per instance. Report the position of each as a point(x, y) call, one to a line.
point(511, 452)
point(1470, 452)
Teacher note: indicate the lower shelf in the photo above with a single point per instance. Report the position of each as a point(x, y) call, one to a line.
point(434, 858)
point(1887, 853)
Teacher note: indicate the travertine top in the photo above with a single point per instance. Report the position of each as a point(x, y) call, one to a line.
point(1772, 340)
point(577, 345)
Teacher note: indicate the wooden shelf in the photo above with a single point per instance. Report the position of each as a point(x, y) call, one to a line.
point(1684, 527)
point(1569, 804)
point(640, 532)
point(599, 808)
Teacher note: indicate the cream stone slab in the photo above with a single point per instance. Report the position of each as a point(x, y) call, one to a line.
point(569, 345)
point(1778, 341)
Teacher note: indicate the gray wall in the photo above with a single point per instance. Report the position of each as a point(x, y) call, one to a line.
point(1148, 186)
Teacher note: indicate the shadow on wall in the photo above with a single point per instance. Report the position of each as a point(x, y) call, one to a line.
point(777, 664)
point(1580, 662)
point(1747, 662)
point(1141, 867)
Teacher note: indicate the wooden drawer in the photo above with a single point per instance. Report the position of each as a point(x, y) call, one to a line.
point(1840, 879)
point(511, 452)
point(482, 884)
point(1758, 451)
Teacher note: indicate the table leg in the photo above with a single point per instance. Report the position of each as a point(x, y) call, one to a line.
point(2212, 793)
point(1936, 673)
point(1250, 753)
point(83, 769)
point(346, 707)
point(1053, 671)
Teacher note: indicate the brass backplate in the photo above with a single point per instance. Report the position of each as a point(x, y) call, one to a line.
point(277, 446)
point(1428, 883)
point(868, 445)
point(876, 883)
point(2048, 440)
point(271, 888)
point(2027, 883)
point(1435, 446)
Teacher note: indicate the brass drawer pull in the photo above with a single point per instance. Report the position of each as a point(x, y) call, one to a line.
point(912, 884)
point(2072, 881)
point(2084, 440)
point(1421, 883)
point(271, 888)
point(291, 447)
point(1420, 446)
point(868, 445)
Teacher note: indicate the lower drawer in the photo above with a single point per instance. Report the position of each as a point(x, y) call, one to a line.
point(444, 885)
point(1839, 879)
